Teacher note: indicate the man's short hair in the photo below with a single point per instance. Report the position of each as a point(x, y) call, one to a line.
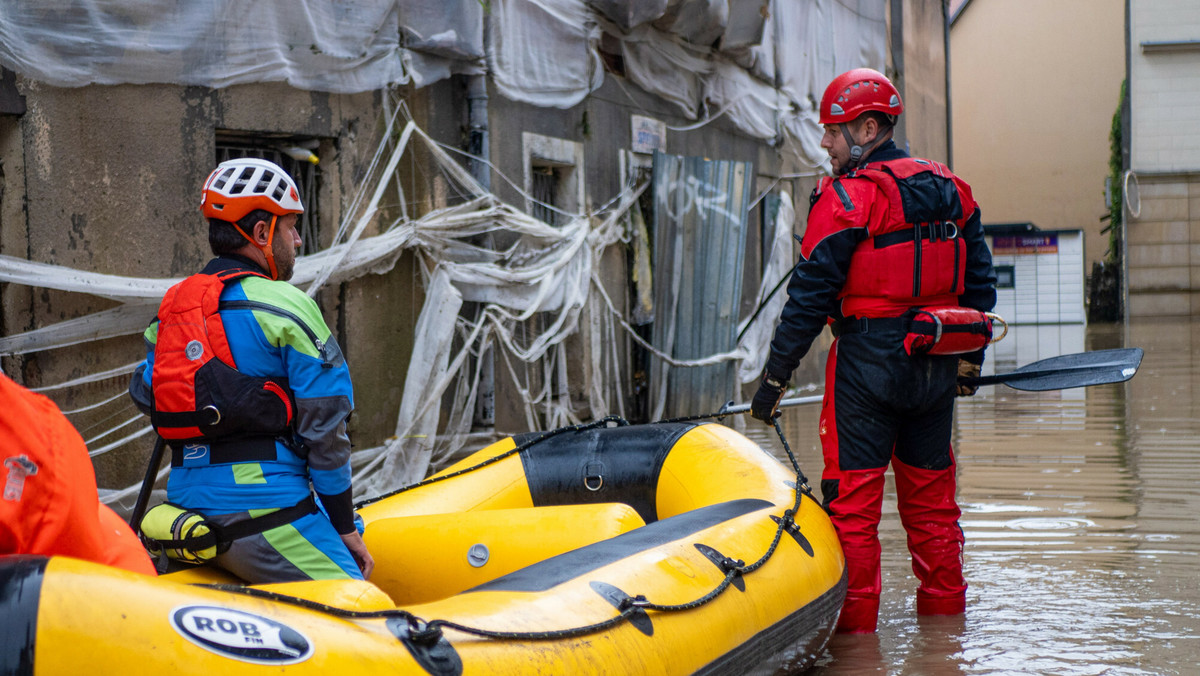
point(881, 118)
point(223, 238)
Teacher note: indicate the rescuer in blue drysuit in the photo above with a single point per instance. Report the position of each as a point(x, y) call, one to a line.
point(281, 435)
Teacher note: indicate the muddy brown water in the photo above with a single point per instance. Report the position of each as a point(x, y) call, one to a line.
point(1081, 510)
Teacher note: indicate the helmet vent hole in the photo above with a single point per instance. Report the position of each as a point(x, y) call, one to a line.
point(223, 179)
point(242, 181)
point(264, 183)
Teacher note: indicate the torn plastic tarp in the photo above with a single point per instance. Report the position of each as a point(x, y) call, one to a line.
point(668, 69)
point(757, 330)
point(442, 39)
point(700, 22)
point(755, 104)
point(543, 52)
point(629, 13)
point(449, 28)
point(320, 45)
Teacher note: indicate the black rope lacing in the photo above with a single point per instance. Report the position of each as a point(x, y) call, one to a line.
point(429, 632)
point(620, 422)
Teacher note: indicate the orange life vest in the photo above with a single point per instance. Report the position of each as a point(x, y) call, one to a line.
point(50, 505)
point(198, 392)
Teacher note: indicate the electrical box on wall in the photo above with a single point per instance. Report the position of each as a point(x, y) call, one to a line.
point(1039, 273)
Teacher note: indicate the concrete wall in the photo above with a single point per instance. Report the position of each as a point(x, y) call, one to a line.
point(1163, 237)
point(1163, 247)
point(107, 179)
point(923, 81)
point(1165, 85)
point(1033, 89)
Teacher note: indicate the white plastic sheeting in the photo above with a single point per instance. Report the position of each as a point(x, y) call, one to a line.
point(542, 52)
point(441, 39)
point(674, 71)
point(322, 45)
point(546, 280)
point(757, 331)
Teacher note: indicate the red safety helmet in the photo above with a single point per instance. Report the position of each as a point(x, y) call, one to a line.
point(855, 92)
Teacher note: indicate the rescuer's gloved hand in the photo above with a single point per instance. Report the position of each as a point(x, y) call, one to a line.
point(765, 404)
point(967, 370)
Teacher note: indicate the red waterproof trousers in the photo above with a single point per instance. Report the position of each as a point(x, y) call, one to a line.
point(884, 407)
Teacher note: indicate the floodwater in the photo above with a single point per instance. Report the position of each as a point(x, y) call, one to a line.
point(1081, 510)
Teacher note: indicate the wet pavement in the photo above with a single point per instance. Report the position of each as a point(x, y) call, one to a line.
point(1081, 510)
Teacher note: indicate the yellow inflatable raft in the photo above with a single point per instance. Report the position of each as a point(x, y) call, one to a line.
point(652, 549)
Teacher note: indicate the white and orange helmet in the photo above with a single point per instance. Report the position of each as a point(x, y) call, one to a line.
point(237, 187)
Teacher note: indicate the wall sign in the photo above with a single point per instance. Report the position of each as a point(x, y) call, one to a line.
point(649, 134)
point(1025, 244)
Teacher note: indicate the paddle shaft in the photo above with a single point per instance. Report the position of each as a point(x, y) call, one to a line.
point(795, 401)
point(1074, 370)
point(139, 508)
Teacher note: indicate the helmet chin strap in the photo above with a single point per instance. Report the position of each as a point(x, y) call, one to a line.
point(269, 249)
point(857, 152)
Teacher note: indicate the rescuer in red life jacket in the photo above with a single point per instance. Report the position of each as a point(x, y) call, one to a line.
point(886, 235)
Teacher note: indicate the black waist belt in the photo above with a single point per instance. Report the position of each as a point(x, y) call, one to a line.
point(219, 536)
point(931, 231)
point(209, 415)
point(225, 451)
point(844, 327)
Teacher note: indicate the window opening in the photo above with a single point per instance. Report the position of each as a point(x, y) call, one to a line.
point(544, 189)
point(289, 152)
point(1006, 276)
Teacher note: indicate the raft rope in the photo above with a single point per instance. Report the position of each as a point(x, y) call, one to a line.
point(603, 422)
point(429, 632)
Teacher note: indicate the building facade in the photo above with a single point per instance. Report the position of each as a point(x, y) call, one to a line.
point(556, 115)
point(1161, 181)
point(1034, 86)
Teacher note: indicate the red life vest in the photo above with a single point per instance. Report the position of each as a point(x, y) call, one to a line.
point(915, 255)
point(199, 394)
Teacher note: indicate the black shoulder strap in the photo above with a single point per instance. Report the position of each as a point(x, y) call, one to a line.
point(222, 536)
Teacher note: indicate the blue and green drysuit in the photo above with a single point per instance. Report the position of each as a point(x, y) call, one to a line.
point(275, 331)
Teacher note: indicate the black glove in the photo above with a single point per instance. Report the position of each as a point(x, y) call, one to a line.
point(765, 404)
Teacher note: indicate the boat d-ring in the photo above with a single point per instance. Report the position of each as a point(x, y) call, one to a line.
point(216, 412)
point(997, 318)
point(593, 476)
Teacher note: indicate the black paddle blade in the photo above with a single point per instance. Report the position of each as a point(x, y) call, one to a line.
point(1099, 367)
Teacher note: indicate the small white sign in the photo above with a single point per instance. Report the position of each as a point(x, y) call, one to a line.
point(649, 134)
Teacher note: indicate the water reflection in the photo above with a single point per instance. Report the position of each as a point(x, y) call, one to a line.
point(1079, 509)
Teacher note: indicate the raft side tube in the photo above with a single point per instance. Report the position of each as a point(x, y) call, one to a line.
point(789, 646)
point(429, 557)
point(554, 571)
point(20, 592)
point(500, 485)
point(601, 464)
